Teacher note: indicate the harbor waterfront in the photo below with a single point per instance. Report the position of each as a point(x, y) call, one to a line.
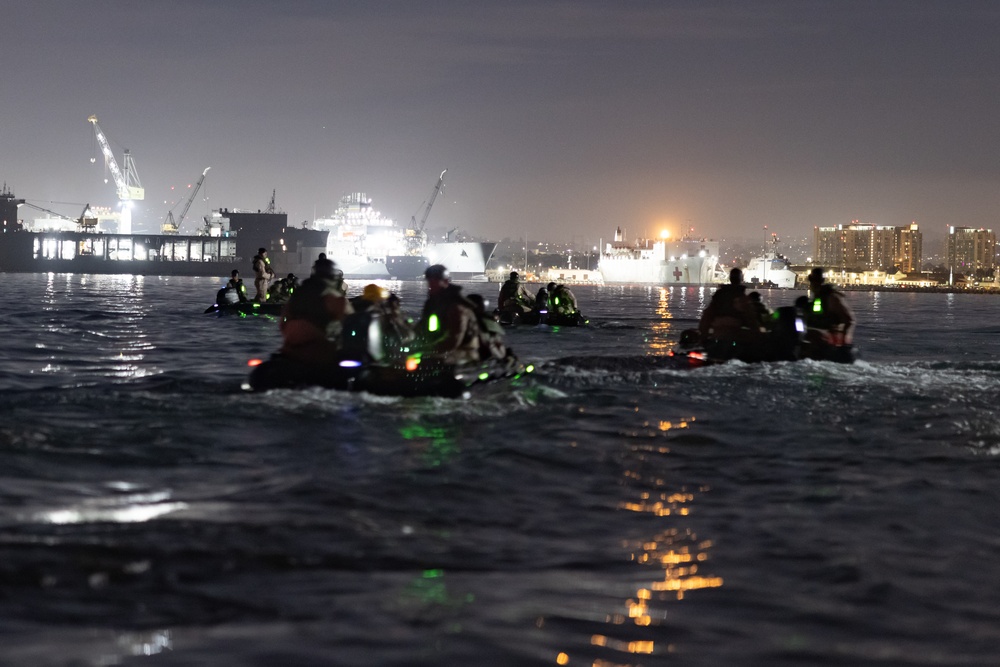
point(365, 244)
point(607, 510)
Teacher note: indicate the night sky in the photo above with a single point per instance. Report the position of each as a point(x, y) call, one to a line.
point(556, 120)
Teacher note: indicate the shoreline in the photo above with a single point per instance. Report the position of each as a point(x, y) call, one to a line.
point(942, 289)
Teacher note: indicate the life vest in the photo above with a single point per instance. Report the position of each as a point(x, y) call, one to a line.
point(236, 284)
point(432, 321)
point(262, 266)
point(509, 290)
point(817, 313)
point(562, 300)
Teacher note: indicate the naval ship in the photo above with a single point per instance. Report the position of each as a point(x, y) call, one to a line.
point(366, 245)
point(685, 261)
point(770, 269)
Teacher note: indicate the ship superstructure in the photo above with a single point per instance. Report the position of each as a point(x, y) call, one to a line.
point(367, 245)
point(360, 237)
point(770, 269)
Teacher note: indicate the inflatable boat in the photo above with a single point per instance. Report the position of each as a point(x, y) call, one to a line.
point(536, 317)
point(245, 308)
point(788, 340)
point(414, 376)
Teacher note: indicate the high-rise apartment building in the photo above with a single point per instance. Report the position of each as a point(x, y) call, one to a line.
point(971, 249)
point(858, 247)
point(910, 250)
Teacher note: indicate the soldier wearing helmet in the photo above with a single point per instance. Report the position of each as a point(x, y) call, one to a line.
point(828, 317)
point(311, 319)
point(448, 324)
point(514, 298)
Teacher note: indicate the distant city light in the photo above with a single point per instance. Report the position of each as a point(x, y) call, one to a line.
point(665, 234)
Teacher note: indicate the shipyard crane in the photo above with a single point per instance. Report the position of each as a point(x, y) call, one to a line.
point(127, 183)
point(129, 187)
point(430, 202)
point(172, 227)
point(81, 221)
point(416, 238)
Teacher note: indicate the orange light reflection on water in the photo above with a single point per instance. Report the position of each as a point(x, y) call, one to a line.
point(662, 335)
point(666, 331)
point(676, 554)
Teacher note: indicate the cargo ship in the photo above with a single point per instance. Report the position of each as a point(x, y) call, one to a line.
point(685, 261)
point(229, 240)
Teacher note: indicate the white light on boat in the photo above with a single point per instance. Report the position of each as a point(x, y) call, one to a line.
point(701, 254)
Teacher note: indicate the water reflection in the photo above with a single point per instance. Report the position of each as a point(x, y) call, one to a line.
point(435, 445)
point(949, 310)
point(115, 310)
point(667, 328)
point(144, 643)
point(428, 596)
point(676, 552)
point(662, 335)
point(691, 297)
point(672, 558)
point(102, 650)
point(128, 508)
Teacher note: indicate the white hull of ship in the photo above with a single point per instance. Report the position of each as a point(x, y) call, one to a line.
point(686, 261)
point(686, 271)
point(348, 258)
point(769, 271)
point(464, 260)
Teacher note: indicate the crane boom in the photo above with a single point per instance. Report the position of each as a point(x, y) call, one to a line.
point(86, 209)
point(194, 192)
point(127, 183)
point(170, 226)
point(197, 186)
point(430, 202)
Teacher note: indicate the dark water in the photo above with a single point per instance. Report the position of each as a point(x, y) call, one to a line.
point(607, 511)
